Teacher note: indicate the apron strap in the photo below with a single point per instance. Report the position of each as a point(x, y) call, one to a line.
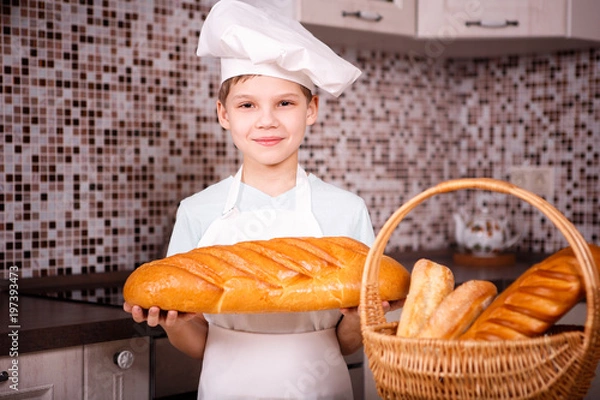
point(233, 194)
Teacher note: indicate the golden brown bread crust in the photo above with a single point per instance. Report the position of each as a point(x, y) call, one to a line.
point(277, 275)
point(430, 283)
point(459, 309)
point(535, 301)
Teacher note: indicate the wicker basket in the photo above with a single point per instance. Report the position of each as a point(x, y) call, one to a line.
point(560, 365)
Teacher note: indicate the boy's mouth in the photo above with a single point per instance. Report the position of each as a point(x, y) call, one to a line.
point(268, 141)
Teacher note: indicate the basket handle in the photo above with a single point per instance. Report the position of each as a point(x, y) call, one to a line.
point(589, 271)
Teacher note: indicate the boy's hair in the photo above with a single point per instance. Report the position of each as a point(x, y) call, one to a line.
point(227, 84)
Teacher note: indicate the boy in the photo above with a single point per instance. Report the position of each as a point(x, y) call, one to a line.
point(269, 67)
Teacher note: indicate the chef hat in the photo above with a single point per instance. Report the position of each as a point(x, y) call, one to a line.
point(256, 40)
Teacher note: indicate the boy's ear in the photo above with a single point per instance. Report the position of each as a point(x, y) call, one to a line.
point(313, 110)
point(222, 115)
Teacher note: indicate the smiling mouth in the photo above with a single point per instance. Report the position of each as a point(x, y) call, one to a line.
point(268, 141)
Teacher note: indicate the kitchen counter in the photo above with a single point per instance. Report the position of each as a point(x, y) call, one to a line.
point(46, 323)
point(499, 274)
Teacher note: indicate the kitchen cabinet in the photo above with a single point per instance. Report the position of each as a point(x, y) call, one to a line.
point(176, 373)
point(448, 19)
point(451, 28)
point(467, 28)
point(67, 348)
point(45, 375)
point(110, 370)
point(361, 23)
point(118, 369)
point(564, 19)
point(583, 19)
point(360, 15)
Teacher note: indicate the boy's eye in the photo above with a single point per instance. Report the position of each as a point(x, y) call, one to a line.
point(285, 103)
point(246, 105)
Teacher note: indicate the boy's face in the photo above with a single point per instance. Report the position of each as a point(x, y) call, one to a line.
point(267, 118)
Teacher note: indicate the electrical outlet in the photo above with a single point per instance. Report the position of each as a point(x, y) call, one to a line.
point(538, 180)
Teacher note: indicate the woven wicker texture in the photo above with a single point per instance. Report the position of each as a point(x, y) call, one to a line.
point(560, 365)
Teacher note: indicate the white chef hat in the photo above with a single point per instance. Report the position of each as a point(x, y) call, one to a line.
point(256, 40)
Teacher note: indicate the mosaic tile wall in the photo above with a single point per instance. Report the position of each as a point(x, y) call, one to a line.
point(108, 121)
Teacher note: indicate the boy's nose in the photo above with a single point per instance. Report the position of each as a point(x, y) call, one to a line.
point(267, 119)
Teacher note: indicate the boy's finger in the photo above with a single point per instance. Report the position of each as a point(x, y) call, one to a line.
point(153, 316)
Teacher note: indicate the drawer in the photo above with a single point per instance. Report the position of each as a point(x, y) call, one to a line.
point(491, 18)
point(396, 18)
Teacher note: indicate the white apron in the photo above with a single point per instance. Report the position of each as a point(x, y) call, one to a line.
point(255, 365)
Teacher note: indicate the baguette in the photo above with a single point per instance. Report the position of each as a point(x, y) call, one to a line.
point(430, 283)
point(459, 309)
point(535, 301)
point(277, 275)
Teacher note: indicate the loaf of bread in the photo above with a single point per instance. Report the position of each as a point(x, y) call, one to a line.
point(535, 301)
point(459, 309)
point(430, 283)
point(277, 275)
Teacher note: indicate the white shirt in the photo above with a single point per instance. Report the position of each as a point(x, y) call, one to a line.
point(338, 212)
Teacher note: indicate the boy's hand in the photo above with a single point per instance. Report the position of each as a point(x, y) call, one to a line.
point(348, 330)
point(352, 316)
point(155, 316)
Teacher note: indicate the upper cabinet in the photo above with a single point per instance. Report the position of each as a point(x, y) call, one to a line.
point(491, 18)
point(371, 15)
point(583, 19)
point(452, 28)
point(362, 23)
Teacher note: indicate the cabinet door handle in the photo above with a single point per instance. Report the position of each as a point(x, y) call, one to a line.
point(366, 15)
point(123, 359)
point(491, 23)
